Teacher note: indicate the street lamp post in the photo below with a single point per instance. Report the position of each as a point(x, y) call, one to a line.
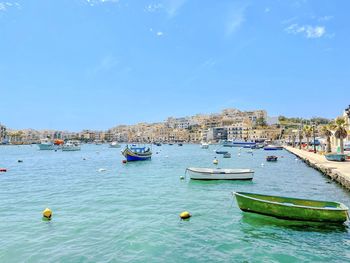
point(313, 130)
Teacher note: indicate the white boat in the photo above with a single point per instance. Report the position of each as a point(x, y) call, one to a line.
point(204, 145)
point(71, 146)
point(46, 144)
point(220, 174)
point(114, 145)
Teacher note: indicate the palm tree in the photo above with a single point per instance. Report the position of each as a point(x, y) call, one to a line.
point(308, 133)
point(293, 139)
point(300, 137)
point(340, 132)
point(327, 131)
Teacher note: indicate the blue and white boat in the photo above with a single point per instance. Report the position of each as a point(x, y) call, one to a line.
point(135, 153)
point(273, 148)
point(242, 143)
point(46, 144)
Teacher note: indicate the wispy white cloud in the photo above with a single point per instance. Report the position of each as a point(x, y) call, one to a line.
point(94, 2)
point(106, 63)
point(325, 18)
point(170, 7)
point(235, 19)
point(289, 20)
point(154, 7)
point(157, 33)
point(4, 6)
point(173, 6)
point(306, 30)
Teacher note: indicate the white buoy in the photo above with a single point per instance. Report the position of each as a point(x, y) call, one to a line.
point(262, 164)
point(239, 154)
point(102, 170)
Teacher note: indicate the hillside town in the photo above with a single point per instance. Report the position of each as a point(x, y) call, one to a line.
point(228, 125)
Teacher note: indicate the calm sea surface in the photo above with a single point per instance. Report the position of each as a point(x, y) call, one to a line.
point(130, 213)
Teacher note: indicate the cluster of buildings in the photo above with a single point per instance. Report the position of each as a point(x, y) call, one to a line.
point(230, 124)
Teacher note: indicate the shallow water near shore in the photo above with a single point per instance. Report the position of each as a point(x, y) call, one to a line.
point(131, 211)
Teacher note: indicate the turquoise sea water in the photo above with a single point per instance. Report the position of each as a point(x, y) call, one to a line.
point(130, 213)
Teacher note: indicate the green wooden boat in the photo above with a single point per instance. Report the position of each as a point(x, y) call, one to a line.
point(292, 208)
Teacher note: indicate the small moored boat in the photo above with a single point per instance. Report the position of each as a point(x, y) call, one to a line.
point(71, 146)
point(114, 145)
point(292, 208)
point(227, 155)
point(271, 158)
point(46, 144)
point(273, 148)
point(220, 174)
point(221, 152)
point(204, 145)
point(336, 157)
point(137, 153)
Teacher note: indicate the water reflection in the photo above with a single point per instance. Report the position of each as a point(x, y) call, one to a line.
point(262, 221)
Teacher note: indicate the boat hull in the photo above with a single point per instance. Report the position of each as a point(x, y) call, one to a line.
point(70, 149)
point(46, 147)
point(240, 144)
point(220, 174)
point(273, 148)
point(292, 208)
point(132, 156)
point(336, 157)
point(221, 152)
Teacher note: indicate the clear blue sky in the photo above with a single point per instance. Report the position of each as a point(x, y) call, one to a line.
point(74, 64)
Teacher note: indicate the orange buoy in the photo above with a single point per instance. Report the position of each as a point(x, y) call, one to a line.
point(3, 170)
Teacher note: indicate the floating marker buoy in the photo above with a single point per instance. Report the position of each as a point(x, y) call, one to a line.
point(124, 161)
point(47, 214)
point(166, 156)
point(239, 154)
point(262, 164)
point(185, 215)
point(84, 159)
point(20, 161)
point(182, 177)
point(102, 170)
point(3, 170)
point(215, 161)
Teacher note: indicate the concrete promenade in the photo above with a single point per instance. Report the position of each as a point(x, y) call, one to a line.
point(338, 171)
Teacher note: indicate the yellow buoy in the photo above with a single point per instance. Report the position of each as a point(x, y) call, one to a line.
point(185, 215)
point(47, 213)
point(215, 161)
